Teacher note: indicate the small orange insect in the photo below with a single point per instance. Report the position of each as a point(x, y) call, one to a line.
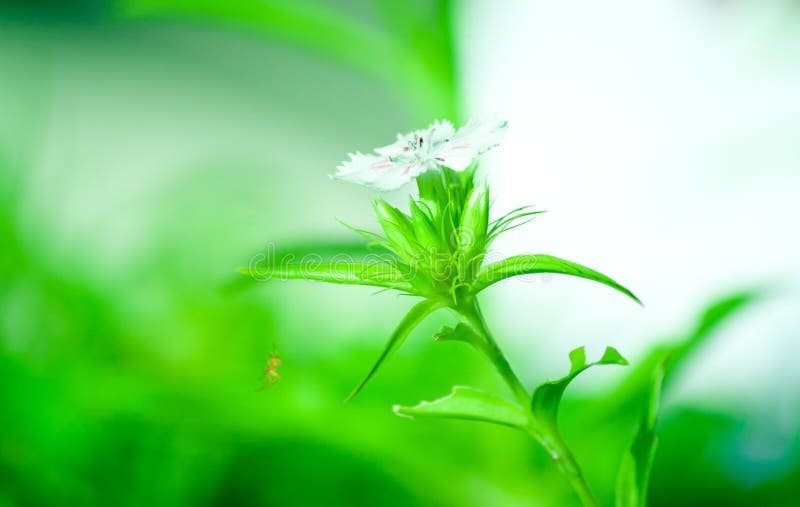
point(270, 374)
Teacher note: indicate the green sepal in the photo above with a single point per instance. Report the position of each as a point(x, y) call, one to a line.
point(424, 230)
point(378, 274)
point(412, 319)
point(541, 263)
point(373, 238)
point(474, 222)
point(469, 404)
point(547, 397)
point(431, 187)
point(634, 473)
point(397, 227)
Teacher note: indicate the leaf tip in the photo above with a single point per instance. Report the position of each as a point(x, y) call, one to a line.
point(630, 294)
point(577, 358)
point(400, 411)
point(445, 333)
point(612, 356)
point(354, 393)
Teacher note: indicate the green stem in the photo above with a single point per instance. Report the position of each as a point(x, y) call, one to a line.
point(555, 445)
point(565, 461)
point(472, 313)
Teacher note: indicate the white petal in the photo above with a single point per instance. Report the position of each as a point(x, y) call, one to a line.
point(470, 141)
point(422, 150)
point(377, 172)
point(438, 132)
point(396, 148)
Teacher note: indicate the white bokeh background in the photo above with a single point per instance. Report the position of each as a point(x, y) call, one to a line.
point(663, 139)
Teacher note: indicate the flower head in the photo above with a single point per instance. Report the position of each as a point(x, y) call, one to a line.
point(422, 150)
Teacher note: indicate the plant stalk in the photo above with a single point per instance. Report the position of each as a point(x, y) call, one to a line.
point(565, 461)
point(472, 313)
point(556, 447)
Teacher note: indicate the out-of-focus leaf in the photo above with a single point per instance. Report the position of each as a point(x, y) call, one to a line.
point(636, 386)
point(319, 27)
point(412, 319)
point(351, 273)
point(547, 397)
point(634, 473)
point(541, 263)
point(710, 321)
point(470, 404)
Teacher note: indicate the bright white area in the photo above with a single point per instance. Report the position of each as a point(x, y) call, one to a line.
point(663, 139)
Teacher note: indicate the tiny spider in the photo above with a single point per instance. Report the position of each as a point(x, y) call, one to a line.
point(270, 375)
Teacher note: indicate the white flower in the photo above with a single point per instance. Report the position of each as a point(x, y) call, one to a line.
point(423, 150)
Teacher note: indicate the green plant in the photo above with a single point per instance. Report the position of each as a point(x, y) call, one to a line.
point(438, 252)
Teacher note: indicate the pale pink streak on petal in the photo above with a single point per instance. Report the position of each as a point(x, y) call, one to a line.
point(381, 165)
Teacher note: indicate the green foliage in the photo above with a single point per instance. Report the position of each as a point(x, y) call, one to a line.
point(398, 229)
point(379, 274)
point(633, 392)
point(461, 332)
point(425, 230)
point(547, 397)
point(540, 263)
point(474, 224)
point(388, 52)
point(102, 395)
point(634, 473)
point(453, 215)
point(469, 404)
point(412, 319)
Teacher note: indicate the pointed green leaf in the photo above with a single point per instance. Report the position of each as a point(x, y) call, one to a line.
point(323, 250)
point(545, 404)
point(378, 274)
point(634, 473)
point(547, 397)
point(541, 263)
point(412, 319)
point(470, 404)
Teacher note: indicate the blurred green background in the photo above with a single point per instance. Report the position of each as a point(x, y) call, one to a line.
point(148, 148)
